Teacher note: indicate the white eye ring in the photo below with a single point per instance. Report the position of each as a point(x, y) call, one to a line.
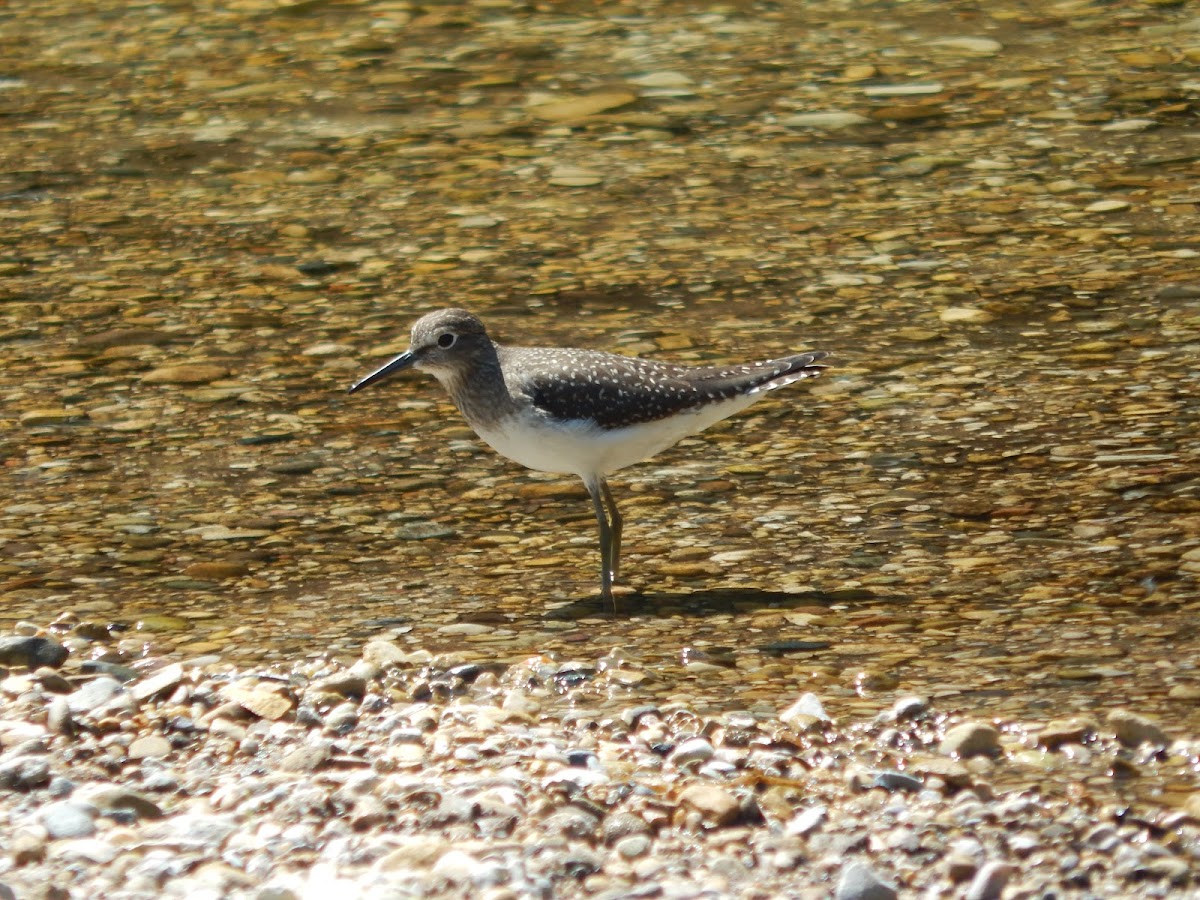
point(446, 340)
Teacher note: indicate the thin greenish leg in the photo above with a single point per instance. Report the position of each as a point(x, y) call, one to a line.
point(596, 489)
point(618, 526)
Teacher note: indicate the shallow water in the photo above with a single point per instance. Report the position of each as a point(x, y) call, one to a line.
point(993, 501)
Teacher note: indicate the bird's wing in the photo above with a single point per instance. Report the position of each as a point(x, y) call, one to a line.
point(614, 391)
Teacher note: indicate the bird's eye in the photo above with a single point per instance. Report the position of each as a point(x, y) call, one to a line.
point(446, 341)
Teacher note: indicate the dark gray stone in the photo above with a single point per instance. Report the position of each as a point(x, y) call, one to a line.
point(31, 652)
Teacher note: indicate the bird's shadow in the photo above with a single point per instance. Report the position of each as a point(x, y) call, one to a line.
point(700, 604)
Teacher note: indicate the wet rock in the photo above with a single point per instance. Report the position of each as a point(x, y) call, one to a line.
point(31, 652)
point(572, 108)
point(970, 739)
point(216, 570)
point(832, 120)
point(53, 416)
point(1133, 729)
point(1107, 206)
point(1065, 731)
point(574, 176)
point(806, 712)
point(185, 373)
point(972, 46)
point(956, 315)
point(386, 655)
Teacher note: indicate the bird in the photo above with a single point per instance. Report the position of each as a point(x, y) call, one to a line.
point(579, 412)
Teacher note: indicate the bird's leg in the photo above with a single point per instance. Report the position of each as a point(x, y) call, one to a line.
point(618, 525)
point(596, 488)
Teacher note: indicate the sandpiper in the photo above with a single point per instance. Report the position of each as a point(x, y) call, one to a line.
point(581, 412)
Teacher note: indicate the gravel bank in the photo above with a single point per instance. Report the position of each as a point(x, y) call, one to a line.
point(409, 774)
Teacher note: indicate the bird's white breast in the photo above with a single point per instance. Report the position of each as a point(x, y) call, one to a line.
point(578, 447)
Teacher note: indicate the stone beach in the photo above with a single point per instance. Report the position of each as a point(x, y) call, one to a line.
point(925, 627)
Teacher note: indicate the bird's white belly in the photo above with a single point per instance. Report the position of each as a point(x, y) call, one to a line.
point(579, 448)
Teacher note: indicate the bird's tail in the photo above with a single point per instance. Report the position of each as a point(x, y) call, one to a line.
point(790, 369)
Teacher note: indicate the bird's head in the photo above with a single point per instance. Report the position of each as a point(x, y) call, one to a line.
point(445, 343)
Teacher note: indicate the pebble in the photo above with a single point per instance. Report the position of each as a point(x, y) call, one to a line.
point(19, 772)
point(633, 846)
point(970, 45)
point(68, 819)
point(693, 751)
point(93, 694)
point(266, 702)
point(1107, 206)
point(965, 315)
point(215, 570)
point(832, 120)
point(911, 89)
point(344, 684)
point(620, 825)
point(572, 108)
point(896, 781)
point(109, 799)
point(55, 416)
point(970, 739)
point(149, 747)
point(665, 79)
point(805, 712)
point(574, 176)
point(1065, 731)
point(165, 679)
point(858, 881)
point(989, 882)
point(185, 373)
point(807, 820)
point(717, 807)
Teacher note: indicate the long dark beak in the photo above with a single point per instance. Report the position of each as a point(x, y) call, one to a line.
point(403, 361)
